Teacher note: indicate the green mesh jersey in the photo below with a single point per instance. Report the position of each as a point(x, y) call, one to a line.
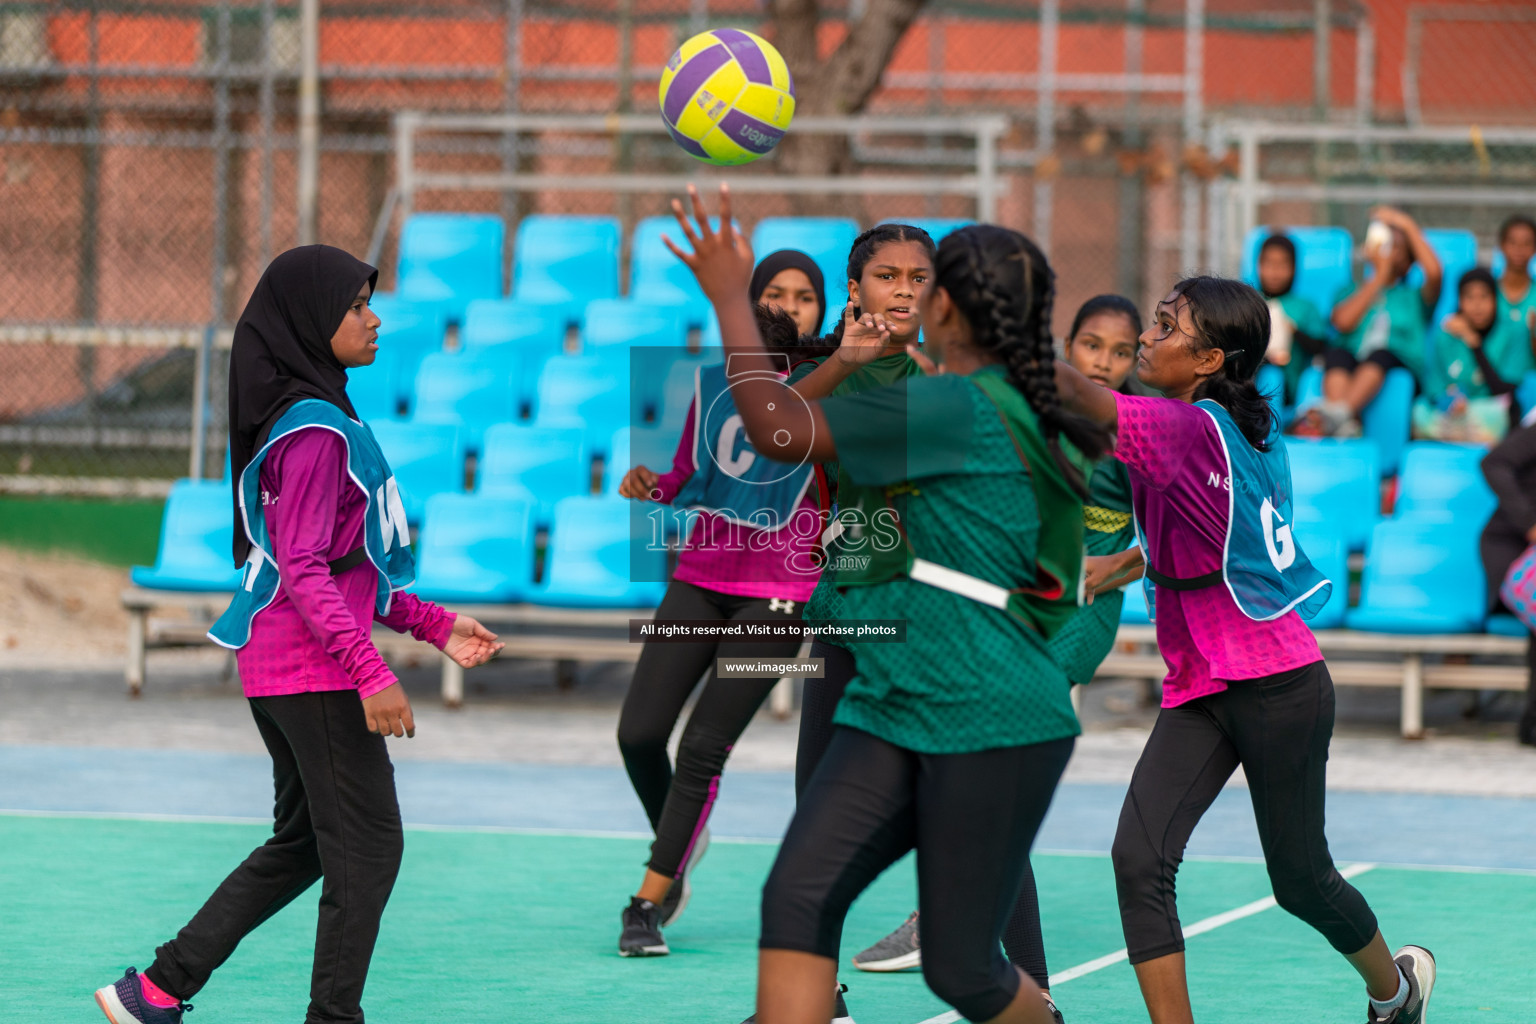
point(969, 676)
point(1083, 644)
point(826, 603)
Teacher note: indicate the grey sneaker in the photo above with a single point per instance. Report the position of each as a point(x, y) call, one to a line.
point(898, 951)
point(1418, 966)
point(676, 900)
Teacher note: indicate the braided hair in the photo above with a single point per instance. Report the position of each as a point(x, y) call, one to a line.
point(1004, 287)
point(1233, 317)
point(864, 249)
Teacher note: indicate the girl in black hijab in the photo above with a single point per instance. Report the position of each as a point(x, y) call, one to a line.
point(791, 281)
point(319, 569)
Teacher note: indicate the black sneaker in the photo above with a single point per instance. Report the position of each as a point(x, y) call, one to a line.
point(642, 930)
point(898, 951)
point(839, 1010)
point(124, 1003)
point(1055, 1013)
point(1418, 966)
point(676, 900)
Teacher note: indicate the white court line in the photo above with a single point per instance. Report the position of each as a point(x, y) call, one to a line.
point(1198, 928)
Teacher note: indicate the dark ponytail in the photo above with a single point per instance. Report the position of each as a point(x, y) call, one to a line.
point(1004, 287)
point(864, 249)
point(1233, 317)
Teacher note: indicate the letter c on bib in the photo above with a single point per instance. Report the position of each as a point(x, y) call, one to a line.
point(1279, 542)
point(727, 457)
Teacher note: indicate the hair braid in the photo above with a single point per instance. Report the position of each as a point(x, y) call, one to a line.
point(1012, 318)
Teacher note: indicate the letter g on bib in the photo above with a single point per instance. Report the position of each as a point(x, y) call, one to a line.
point(1278, 540)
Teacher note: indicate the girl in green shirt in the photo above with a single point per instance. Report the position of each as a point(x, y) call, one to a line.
point(1517, 299)
point(1471, 376)
point(970, 484)
point(1297, 332)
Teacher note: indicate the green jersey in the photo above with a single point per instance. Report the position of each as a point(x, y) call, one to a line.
point(826, 603)
point(1509, 342)
point(1084, 643)
point(972, 496)
point(1395, 322)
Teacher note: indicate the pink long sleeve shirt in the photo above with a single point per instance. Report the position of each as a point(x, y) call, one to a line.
point(1173, 452)
point(314, 635)
point(740, 560)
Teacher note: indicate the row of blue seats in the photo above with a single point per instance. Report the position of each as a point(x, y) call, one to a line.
point(473, 547)
point(564, 263)
point(1422, 576)
point(474, 390)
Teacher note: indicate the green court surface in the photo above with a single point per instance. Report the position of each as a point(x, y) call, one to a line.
point(501, 926)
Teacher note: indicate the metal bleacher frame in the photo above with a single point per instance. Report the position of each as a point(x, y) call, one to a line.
point(588, 634)
point(1391, 659)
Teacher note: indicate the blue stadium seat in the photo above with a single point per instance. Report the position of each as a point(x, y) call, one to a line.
point(1445, 479)
point(612, 322)
point(1422, 576)
point(537, 464)
point(1457, 249)
point(530, 334)
point(1328, 550)
point(412, 330)
point(825, 239)
point(469, 391)
point(375, 389)
point(427, 459)
point(591, 392)
point(651, 447)
point(565, 262)
point(1323, 256)
point(1340, 480)
point(677, 396)
point(474, 548)
point(937, 227)
point(1506, 625)
point(1386, 420)
point(1134, 611)
point(1270, 381)
point(660, 278)
point(451, 259)
point(595, 559)
point(197, 538)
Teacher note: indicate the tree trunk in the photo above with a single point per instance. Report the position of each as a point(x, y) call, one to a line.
point(840, 85)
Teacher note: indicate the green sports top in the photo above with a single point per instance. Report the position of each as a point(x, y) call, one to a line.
point(826, 604)
point(970, 676)
point(1083, 644)
point(1396, 322)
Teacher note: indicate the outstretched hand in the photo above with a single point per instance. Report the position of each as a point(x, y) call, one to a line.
point(864, 338)
point(471, 644)
point(721, 258)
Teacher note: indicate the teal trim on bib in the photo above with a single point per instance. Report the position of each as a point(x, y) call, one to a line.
point(730, 477)
point(386, 537)
point(1262, 563)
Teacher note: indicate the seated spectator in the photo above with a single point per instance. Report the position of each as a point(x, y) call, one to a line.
point(1297, 331)
point(1470, 378)
point(1517, 299)
point(1509, 546)
point(1381, 323)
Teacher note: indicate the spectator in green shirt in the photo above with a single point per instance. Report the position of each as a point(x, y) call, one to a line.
point(1297, 331)
point(953, 742)
point(1381, 324)
point(1517, 299)
point(1472, 371)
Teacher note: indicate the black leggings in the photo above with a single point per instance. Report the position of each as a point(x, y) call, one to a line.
point(1022, 939)
point(971, 818)
point(1277, 728)
point(678, 806)
point(336, 819)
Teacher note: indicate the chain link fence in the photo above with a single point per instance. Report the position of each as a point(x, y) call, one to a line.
point(149, 155)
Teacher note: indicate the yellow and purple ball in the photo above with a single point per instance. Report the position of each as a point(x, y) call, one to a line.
point(727, 97)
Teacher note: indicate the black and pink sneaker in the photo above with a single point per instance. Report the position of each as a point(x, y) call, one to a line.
point(127, 1003)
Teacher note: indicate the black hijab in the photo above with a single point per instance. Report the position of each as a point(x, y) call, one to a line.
point(282, 350)
point(789, 259)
